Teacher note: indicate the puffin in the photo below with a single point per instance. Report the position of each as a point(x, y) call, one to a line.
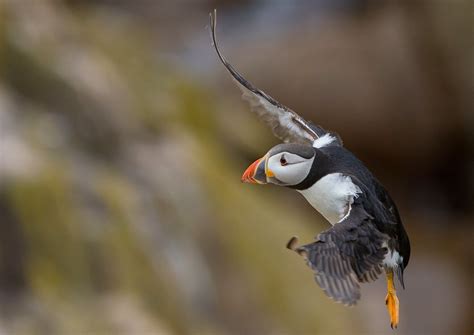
point(366, 237)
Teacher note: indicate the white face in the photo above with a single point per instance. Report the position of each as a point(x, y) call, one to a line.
point(288, 168)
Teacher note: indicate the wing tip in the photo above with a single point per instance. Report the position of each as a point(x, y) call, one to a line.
point(399, 272)
point(245, 85)
point(212, 26)
point(236, 75)
point(292, 245)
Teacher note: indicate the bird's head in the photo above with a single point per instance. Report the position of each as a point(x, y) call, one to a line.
point(284, 165)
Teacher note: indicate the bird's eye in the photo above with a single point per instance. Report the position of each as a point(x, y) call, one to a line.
point(283, 161)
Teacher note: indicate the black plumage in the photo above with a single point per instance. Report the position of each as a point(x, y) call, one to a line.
point(348, 253)
point(357, 240)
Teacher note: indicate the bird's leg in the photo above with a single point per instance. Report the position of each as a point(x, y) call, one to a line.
point(391, 300)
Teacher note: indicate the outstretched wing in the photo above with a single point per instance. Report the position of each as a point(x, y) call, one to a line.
point(285, 124)
point(345, 255)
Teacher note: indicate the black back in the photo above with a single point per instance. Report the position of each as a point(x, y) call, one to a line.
point(375, 199)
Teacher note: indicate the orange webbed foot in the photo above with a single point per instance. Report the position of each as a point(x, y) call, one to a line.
point(391, 300)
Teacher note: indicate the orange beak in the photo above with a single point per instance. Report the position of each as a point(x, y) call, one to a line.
point(255, 173)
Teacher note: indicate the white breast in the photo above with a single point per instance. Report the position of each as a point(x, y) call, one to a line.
point(332, 196)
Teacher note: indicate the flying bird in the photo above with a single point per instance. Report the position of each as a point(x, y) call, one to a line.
point(366, 237)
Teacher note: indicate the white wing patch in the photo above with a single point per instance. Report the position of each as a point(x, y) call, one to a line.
point(324, 141)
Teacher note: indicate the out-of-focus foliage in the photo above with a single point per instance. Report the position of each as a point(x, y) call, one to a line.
point(121, 210)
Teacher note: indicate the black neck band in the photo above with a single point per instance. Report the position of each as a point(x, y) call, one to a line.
point(319, 168)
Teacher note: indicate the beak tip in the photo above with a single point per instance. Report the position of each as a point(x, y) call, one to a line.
point(247, 180)
point(252, 174)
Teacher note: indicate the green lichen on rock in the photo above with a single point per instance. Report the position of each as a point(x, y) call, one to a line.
point(56, 262)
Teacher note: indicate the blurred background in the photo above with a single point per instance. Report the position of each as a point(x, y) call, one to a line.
point(123, 139)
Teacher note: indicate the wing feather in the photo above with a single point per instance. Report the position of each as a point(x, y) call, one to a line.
point(285, 123)
point(347, 254)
